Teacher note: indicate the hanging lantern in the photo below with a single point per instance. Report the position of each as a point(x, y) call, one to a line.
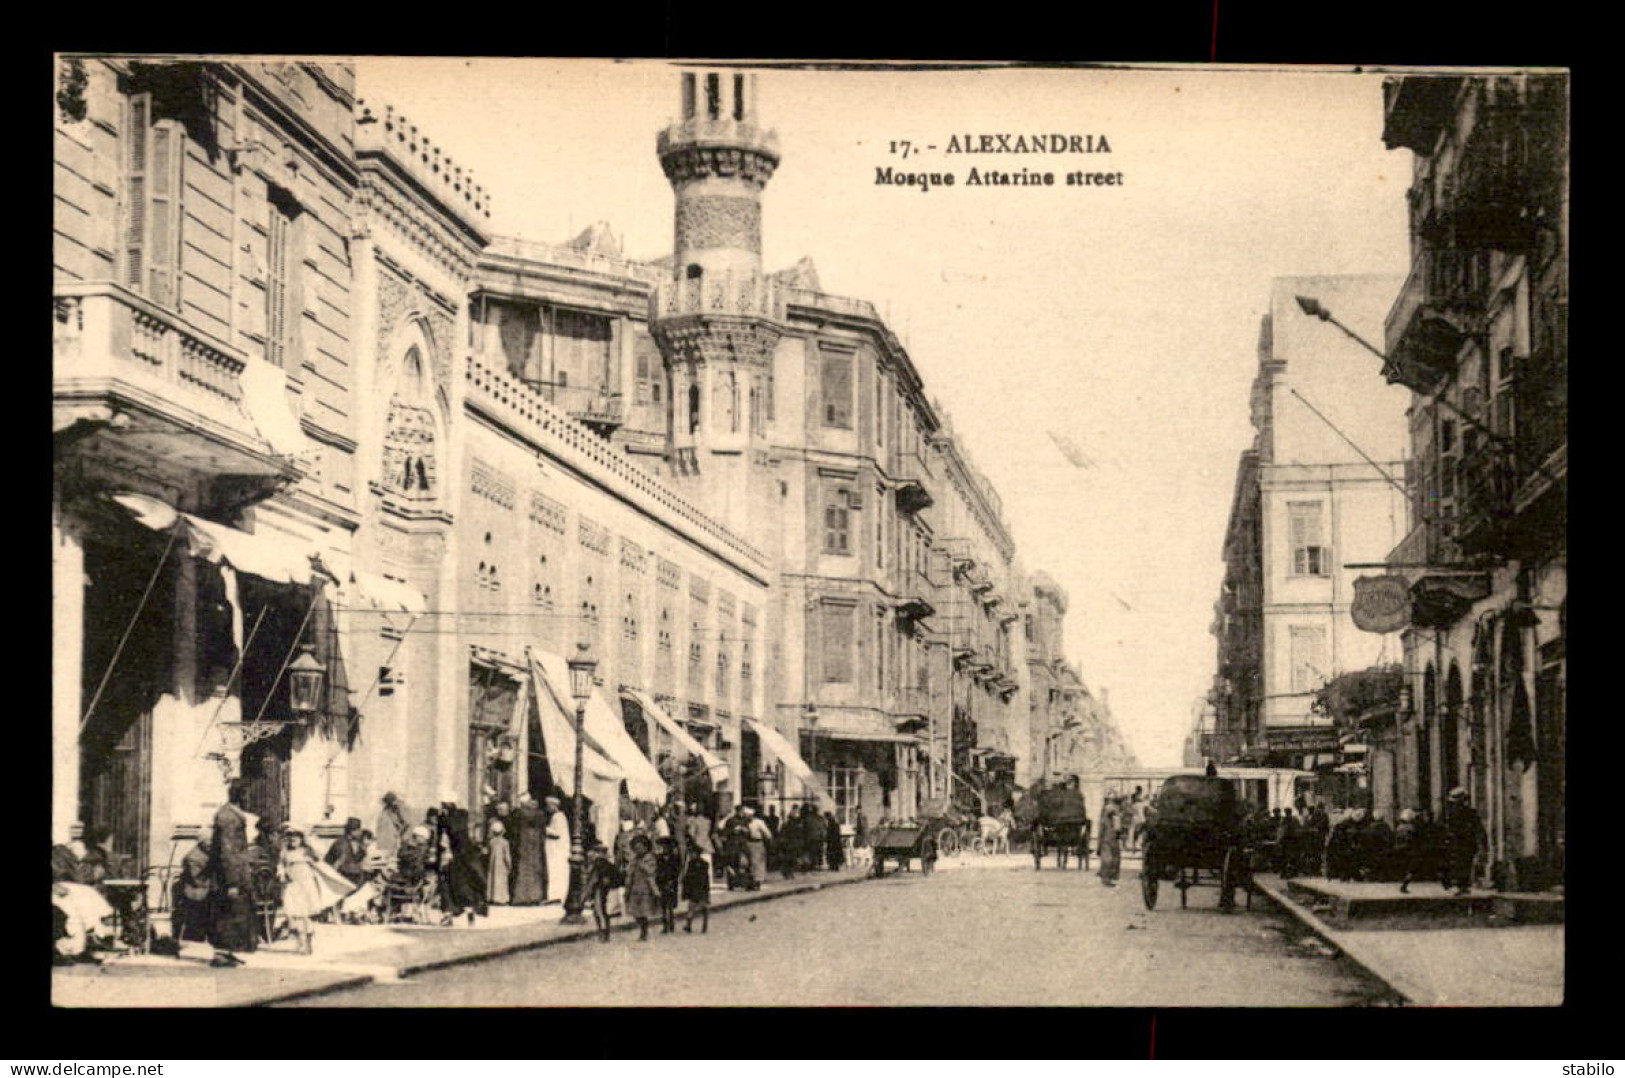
point(582, 668)
point(305, 677)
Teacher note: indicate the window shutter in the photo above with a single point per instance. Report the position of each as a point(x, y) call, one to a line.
point(167, 146)
point(854, 499)
point(276, 291)
point(138, 122)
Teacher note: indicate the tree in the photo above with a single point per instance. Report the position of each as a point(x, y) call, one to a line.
point(1348, 697)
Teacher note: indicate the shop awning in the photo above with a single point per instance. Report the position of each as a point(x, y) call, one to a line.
point(371, 589)
point(272, 557)
point(604, 726)
point(859, 726)
point(559, 739)
point(265, 399)
point(715, 766)
point(782, 751)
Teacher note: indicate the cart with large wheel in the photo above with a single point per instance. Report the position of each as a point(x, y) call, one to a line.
point(902, 843)
point(1194, 838)
point(1061, 825)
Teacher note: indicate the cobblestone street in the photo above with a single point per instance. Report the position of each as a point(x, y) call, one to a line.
point(983, 932)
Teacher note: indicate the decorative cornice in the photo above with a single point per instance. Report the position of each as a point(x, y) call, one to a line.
point(416, 224)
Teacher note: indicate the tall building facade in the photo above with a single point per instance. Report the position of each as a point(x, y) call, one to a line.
point(1479, 334)
point(1319, 495)
point(1071, 729)
point(312, 412)
point(206, 418)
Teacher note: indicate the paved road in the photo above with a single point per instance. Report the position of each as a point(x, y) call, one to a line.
point(995, 933)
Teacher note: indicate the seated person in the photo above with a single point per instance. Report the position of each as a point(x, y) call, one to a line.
point(81, 917)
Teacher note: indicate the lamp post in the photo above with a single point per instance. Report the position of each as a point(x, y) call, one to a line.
point(582, 667)
point(811, 723)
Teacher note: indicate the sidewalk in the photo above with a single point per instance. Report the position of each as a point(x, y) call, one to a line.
point(350, 955)
point(1429, 960)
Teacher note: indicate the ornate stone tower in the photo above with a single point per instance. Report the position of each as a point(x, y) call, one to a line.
point(717, 319)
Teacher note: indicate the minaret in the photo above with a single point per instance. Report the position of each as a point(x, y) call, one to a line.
point(717, 318)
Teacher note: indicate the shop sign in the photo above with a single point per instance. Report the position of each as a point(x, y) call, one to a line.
point(1302, 739)
point(1382, 604)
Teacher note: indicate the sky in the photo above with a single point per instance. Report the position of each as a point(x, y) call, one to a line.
point(1122, 318)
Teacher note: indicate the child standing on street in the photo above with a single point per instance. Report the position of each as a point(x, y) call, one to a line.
point(642, 892)
point(697, 890)
point(668, 872)
point(602, 877)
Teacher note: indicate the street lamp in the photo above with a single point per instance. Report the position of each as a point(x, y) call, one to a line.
point(582, 667)
point(305, 681)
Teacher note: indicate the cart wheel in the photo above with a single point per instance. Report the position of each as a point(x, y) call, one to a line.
point(948, 842)
point(976, 845)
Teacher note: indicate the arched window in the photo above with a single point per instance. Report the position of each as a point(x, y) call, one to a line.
point(410, 441)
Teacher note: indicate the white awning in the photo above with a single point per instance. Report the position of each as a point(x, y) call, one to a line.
point(371, 589)
point(265, 399)
point(272, 557)
point(604, 726)
point(715, 766)
point(559, 739)
point(781, 750)
point(386, 594)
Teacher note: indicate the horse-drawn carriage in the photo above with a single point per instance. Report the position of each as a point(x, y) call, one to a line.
point(1056, 819)
point(1195, 836)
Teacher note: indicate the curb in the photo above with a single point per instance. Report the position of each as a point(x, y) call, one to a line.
point(585, 933)
point(1354, 951)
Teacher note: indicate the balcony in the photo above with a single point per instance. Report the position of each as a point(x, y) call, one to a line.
point(912, 703)
point(960, 558)
point(912, 493)
point(1484, 516)
point(1416, 110)
point(1506, 181)
point(1432, 315)
point(700, 132)
point(116, 353)
point(720, 295)
point(597, 408)
point(917, 596)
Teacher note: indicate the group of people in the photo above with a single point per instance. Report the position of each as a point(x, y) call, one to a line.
point(1363, 846)
point(233, 892)
point(803, 840)
point(1358, 844)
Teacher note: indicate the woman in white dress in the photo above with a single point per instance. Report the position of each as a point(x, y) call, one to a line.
point(309, 886)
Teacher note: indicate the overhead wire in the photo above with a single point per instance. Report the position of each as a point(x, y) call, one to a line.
point(130, 625)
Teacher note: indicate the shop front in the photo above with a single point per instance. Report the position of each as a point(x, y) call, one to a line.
point(783, 778)
point(206, 653)
point(701, 777)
